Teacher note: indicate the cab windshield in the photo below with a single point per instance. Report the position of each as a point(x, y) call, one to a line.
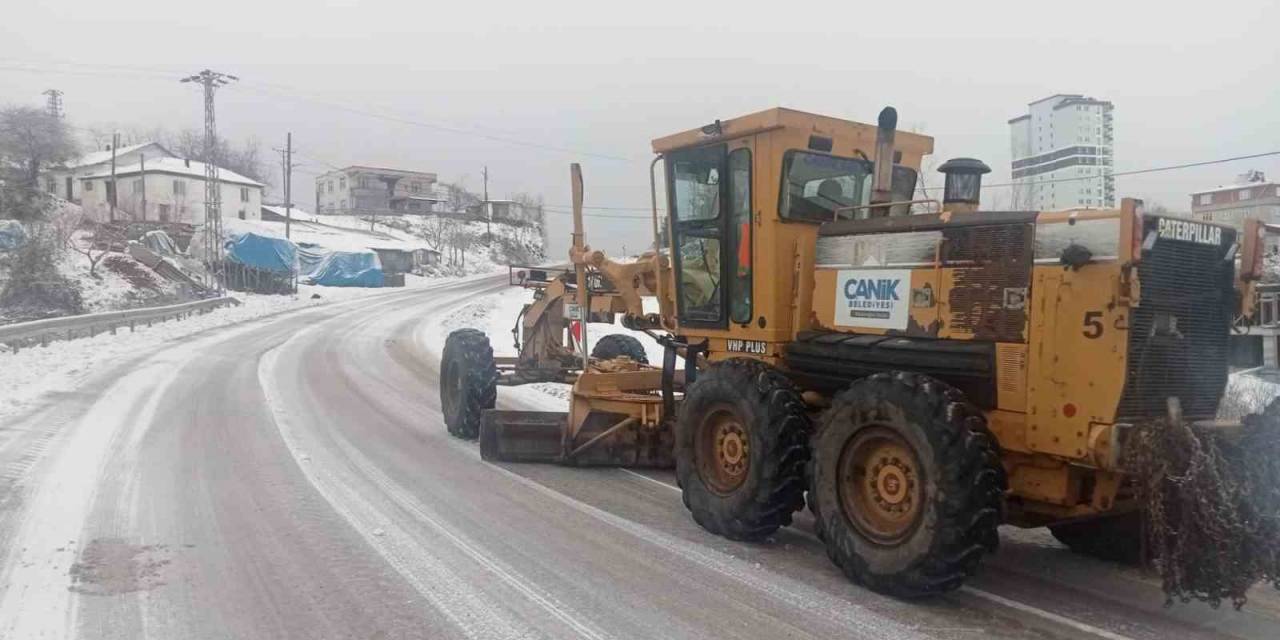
point(816, 187)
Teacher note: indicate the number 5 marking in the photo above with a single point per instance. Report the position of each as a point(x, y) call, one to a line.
point(1093, 324)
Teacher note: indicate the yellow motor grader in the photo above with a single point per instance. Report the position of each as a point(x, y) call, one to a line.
point(922, 370)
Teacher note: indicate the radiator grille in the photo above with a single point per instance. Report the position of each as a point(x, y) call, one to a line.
point(1179, 331)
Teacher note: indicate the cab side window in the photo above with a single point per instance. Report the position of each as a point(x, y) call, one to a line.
point(740, 233)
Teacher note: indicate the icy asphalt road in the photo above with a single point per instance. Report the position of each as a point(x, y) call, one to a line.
point(290, 478)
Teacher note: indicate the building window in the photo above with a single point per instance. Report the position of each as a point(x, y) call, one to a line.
point(164, 212)
point(342, 184)
point(88, 185)
point(330, 186)
point(52, 186)
point(244, 197)
point(137, 186)
point(179, 188)
point(1206, 198)
point(242, 214)
point(1245, 194)
point(365, 183)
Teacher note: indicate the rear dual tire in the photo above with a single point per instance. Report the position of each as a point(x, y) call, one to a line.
point(468, 382)
point(905, 484)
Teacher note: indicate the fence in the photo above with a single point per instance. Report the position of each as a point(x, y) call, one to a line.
point(89, 325)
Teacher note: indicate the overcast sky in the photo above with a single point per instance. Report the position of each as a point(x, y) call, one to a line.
point(595, 82)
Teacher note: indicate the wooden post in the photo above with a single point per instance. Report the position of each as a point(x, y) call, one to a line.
point(142, 176)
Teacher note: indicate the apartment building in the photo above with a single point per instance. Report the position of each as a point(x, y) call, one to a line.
point(1062, 154)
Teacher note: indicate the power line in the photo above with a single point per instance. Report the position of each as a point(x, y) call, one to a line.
point(1132, 172)
point(569, 212)
point(296, 94)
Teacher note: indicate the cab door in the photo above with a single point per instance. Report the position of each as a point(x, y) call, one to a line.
point(710, 215)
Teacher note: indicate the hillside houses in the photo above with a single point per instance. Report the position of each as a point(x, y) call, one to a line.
point(153, 184)
point(167, 190)
point(64, 181)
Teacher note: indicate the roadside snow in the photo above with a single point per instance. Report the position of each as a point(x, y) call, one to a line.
point(1248, 392)
point(496, 315)
point(64, 365)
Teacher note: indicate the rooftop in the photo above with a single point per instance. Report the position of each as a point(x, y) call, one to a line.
point(360, 167)
point(1235, 187)
point(99, 157)
point(176, 166)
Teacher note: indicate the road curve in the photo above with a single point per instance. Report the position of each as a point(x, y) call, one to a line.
point(290, 478)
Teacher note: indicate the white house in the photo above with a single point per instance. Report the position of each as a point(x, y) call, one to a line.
point(172, 190)
point(64, 181)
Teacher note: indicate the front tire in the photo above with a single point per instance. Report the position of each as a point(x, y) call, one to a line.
point(619, 344)
point(741, 447)
point(906, 484)
point(468, 382)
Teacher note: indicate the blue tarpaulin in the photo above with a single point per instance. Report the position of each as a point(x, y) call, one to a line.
point(276, 255)
point(310, 256)
point(12, 235)
point(347, 269)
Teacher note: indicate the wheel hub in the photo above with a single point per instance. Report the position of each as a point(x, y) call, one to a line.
point(879, 478)
point(724, 451)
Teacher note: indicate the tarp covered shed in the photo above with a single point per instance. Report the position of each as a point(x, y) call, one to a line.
point(310, 255)
point(159, 242)
point(12, 235)
point(276, 255)
point(347, 269)
point(261, 264)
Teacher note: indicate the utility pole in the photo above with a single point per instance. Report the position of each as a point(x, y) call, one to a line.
point(55, 103)
point(142, 177)
point(288, 183)
point(111, 190)
point(211, 81)
point(286, 174)
point(488, 208)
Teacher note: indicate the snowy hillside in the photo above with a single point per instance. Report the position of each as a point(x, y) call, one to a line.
point(462, 244)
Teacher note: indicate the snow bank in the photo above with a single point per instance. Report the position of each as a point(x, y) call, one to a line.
point(64, 365)
point(496, 315)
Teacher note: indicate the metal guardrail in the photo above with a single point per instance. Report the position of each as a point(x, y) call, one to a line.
point(89, 325)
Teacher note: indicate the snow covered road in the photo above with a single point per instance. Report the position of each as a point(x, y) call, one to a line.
point(290, 478)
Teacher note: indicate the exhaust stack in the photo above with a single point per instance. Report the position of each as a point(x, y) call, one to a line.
point(882, 187)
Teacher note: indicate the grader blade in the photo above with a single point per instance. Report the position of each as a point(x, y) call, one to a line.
point(523, 436)
point(604, 439)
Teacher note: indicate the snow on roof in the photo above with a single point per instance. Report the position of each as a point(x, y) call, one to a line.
point(296, 212)
point(176, 166)
point(1234, 187)
point(99, 157)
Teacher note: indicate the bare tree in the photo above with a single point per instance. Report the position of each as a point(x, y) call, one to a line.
point(459, 199)
point(245, 160)
point(66, 223)
point(436, 231)
point(31, 140)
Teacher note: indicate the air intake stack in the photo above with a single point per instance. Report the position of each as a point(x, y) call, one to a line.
point(963, 189)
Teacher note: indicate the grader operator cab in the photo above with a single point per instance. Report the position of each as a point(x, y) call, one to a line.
point(923, 371)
